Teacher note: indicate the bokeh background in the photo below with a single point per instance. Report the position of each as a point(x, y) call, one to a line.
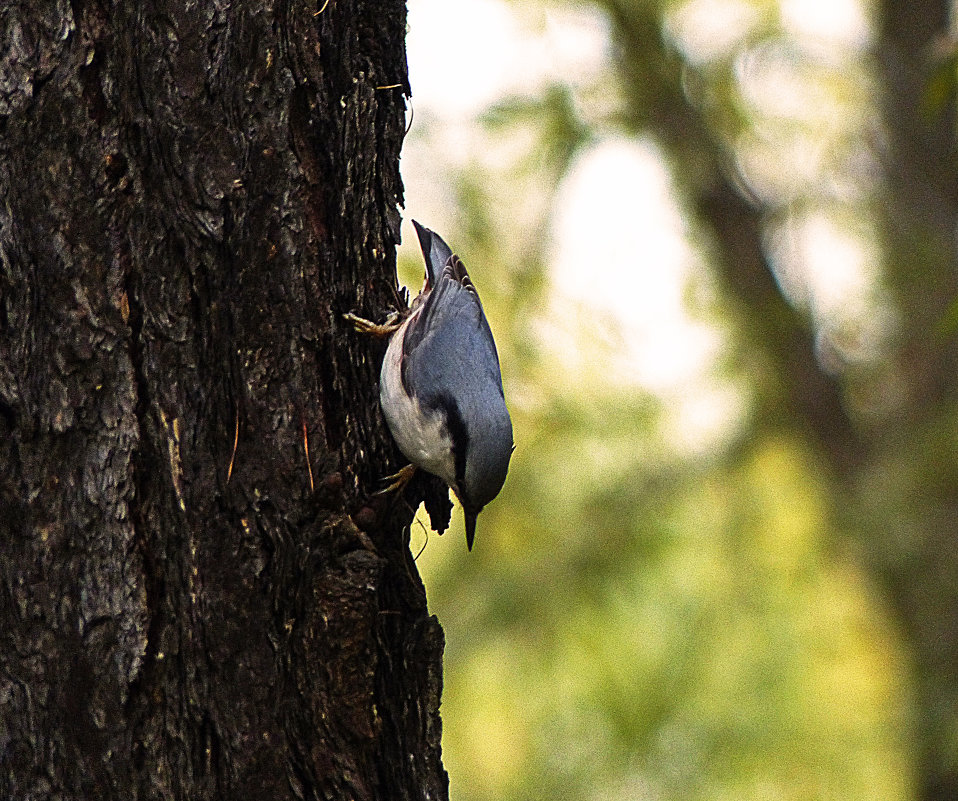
point(716, 243)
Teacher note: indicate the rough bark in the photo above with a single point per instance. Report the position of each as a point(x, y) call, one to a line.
point(191, 195)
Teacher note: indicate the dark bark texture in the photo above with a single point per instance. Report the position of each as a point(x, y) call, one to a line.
point(191, 196)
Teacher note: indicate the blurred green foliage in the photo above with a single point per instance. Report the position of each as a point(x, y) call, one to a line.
point(772, 614)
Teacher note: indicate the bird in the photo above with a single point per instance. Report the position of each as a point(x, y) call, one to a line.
point(440, 386)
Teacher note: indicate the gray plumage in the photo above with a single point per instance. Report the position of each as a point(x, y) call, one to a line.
point(434, 250)
point(447, 411)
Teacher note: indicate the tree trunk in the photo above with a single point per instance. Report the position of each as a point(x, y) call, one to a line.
point(199, 599)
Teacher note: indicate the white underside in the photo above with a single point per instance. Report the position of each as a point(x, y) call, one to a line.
point(420, 434)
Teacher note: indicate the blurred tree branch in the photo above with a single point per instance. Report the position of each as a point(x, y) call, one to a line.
point(795, 390)
point(909, 524)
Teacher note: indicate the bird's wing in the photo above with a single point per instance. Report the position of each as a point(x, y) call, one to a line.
point(449, 343)
point(449, 349)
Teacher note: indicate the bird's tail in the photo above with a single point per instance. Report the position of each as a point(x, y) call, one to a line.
point(436, 252)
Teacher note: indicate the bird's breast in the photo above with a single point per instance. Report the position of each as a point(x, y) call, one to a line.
point(422, 434)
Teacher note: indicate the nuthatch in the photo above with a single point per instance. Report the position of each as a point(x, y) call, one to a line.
point(440, 386)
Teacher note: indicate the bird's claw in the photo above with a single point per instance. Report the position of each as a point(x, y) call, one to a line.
point(379, 330)
point(398, 480)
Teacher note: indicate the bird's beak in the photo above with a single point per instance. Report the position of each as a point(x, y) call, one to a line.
point(470, 526)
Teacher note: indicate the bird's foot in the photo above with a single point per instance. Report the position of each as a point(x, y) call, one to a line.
point(399, 480)
point(378, 330)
